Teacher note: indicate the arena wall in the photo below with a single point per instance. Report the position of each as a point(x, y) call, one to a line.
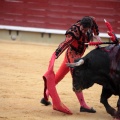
point(39, 17)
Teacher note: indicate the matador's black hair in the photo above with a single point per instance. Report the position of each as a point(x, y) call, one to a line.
point(86, 22)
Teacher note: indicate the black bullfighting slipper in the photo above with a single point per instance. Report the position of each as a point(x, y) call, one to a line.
point(46, 103)
point(82, 109)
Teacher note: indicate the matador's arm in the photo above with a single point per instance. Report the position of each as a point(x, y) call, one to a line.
point(73, 33)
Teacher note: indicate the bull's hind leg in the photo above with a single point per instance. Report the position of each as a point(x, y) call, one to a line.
point(106, 93)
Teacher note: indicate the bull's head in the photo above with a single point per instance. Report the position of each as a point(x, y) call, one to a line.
point(81, 75)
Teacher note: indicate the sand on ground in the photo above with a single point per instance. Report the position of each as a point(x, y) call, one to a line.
point(22, 66)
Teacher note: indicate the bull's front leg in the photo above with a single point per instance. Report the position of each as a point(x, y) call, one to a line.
point(106, 93)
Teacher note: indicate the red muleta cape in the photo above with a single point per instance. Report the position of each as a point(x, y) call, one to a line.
point(49, 84)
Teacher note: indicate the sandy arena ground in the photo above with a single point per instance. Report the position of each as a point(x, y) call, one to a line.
point(21, 86)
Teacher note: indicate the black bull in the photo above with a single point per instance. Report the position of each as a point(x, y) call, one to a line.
point(101, 66)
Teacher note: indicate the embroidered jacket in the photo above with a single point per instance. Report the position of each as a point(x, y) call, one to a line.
point(75, 39)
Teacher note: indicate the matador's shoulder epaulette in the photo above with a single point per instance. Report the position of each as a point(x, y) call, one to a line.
point(74, 31)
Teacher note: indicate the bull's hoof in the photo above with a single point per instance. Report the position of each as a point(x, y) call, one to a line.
point(46, 103)
point(82, 109)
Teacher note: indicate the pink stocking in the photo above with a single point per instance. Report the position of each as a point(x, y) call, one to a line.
point(81, 99)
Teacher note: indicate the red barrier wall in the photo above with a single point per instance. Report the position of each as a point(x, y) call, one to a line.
point(58, 14)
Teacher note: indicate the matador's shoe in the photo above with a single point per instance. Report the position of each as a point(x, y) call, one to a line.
point(46, 103)
point(82, 109)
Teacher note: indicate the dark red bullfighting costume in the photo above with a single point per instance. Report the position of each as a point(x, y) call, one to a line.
point(74, 43)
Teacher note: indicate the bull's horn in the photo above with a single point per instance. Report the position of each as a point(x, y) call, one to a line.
point(80, 62)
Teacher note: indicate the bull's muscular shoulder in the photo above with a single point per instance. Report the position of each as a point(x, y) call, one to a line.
point(74, 31)
point(114, 54)
point(100, 58)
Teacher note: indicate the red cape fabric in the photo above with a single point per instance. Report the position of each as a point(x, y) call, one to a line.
point(49, 83)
